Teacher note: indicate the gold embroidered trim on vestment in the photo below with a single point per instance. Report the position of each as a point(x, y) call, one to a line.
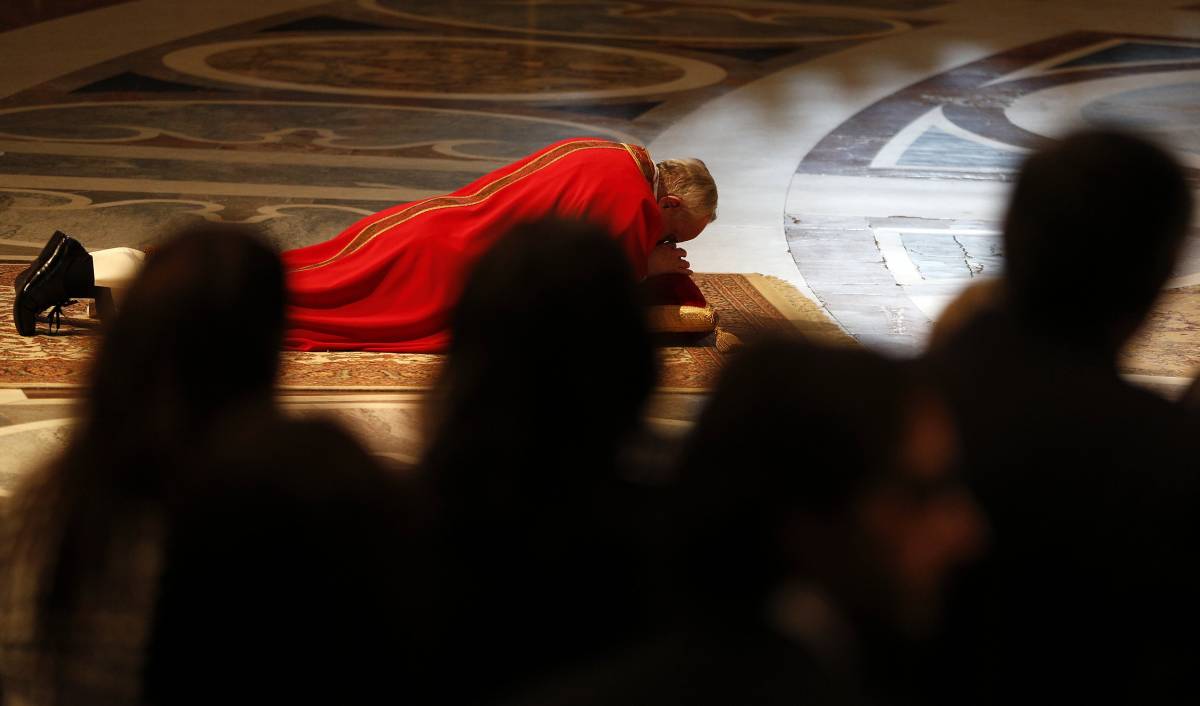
point(641, 157)
point(485, 192)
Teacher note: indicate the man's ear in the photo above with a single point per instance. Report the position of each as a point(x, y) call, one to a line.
point(670, 201)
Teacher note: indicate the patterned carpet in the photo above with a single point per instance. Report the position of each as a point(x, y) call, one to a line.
point(748, 306)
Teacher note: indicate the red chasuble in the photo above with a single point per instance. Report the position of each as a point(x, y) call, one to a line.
point(389, 282)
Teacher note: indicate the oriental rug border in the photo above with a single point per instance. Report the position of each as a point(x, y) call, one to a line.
point(749, 305)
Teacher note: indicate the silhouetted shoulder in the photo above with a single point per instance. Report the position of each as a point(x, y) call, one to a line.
point(290, 561)
point(753, 668)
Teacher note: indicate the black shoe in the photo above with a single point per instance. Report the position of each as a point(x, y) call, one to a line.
point(43, 284)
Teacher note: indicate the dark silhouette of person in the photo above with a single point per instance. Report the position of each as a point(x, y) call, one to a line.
point(284, 561)
point(1190, 398)
point(535, 547)
point(171, 554)
point(1089, 483)
point(816, 517)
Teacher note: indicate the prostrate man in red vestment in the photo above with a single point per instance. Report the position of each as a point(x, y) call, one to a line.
point(389, 282)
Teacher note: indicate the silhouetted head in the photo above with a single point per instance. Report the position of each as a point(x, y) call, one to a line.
point(1092, 232)
point(549, 347)
point(831, 467)
point(976, 299)
point(198, 331)
point(548, 368)
point(195, 340)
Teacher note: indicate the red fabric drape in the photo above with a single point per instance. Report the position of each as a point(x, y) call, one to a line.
point(389, 282)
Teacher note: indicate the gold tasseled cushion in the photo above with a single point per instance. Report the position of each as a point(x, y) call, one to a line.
point(727, 342)
point(681, 319)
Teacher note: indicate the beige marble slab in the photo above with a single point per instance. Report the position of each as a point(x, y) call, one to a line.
point(1169, 343)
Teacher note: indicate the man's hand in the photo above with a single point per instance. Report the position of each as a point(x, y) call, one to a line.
point(667, 258)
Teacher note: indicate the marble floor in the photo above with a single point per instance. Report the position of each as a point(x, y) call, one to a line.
point(863, 148)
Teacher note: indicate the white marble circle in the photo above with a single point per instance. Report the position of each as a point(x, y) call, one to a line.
point(1059, 109)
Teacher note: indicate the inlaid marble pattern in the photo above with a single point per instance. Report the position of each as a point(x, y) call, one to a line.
point(407, 66)
point(432, 138)
point(124, 172)
point(104, 219)
point(887, 278)
point(721, 23)
point(979, 120)
point(305, 121)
